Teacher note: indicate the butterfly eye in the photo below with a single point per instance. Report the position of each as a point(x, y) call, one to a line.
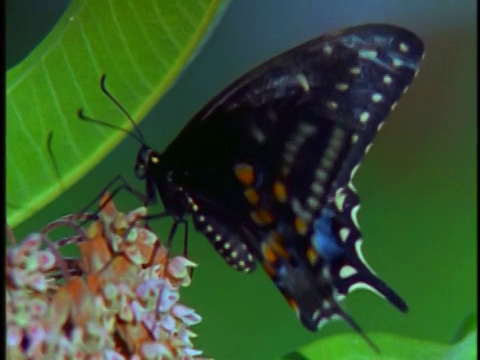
point(143, 159)
point(154, 159)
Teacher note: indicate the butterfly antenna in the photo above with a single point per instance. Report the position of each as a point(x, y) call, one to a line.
point(137, 135)
point(122, 109)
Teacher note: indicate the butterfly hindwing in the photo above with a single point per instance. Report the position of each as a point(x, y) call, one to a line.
point(337, 235)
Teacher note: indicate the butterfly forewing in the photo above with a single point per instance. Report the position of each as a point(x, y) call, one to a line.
point(267, 164)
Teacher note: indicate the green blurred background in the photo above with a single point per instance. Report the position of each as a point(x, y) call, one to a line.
point(417, 184)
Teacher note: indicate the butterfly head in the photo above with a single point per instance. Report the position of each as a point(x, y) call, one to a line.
point(147, 159)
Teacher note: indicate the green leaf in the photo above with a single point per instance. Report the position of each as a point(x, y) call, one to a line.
point(468, 325)
point(141, 45)
point(392, 347)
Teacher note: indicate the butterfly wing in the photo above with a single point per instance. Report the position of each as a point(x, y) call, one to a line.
point(271, 158)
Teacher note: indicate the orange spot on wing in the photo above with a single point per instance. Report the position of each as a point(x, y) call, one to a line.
point(266, 216)
point(312, 255)
point(252, 196)
point(244, 173)
point(262, 217)
point(277, 244)
point(300, 226)
point(269, 254)
point(280, 191)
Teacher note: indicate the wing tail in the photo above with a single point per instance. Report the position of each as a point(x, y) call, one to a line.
point(310, 296)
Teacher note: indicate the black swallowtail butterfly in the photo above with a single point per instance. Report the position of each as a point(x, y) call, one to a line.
point(265, 168)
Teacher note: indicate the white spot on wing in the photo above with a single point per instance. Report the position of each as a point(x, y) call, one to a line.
point(351, 186)
point(367, 54)
point(340, 199)
point(322, 323)
point(296, 140)
point(358, 251)
point(326, 163)
point(332, 105)
point(326, 273)
point(313, 203)
point(258, 134)
point(335, 316)
point(403, 47)
point(364, 116)
point(364, 286)
point(327, 49)
point(298, 209)
point(341, 87)
point(397, 62)
point(354, 171)
point(376, 98)
point(316, 188)
point(344, 232)
point(321, 175)
point(387, 79)
point(347, 271)
point(302, 80)
point(307, 129)
point(355, 71)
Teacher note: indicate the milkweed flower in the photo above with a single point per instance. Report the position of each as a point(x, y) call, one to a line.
point(120, 299)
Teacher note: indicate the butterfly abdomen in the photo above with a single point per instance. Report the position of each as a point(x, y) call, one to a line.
point(229, 243)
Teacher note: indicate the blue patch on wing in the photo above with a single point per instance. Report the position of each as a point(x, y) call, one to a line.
point(323, 239)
